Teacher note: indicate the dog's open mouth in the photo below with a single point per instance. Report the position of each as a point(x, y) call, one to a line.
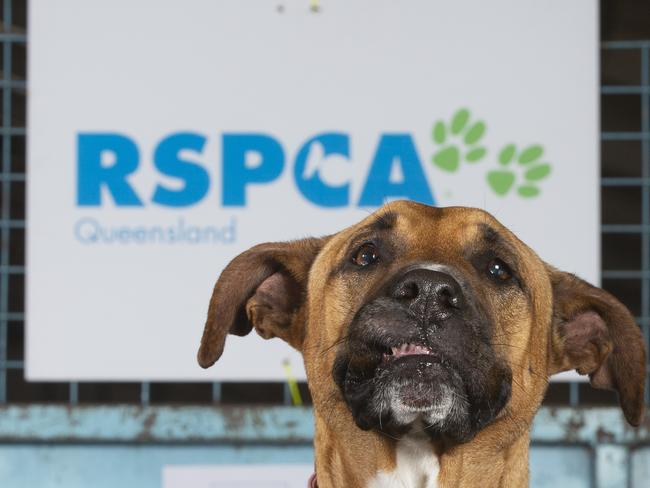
point(406, 349)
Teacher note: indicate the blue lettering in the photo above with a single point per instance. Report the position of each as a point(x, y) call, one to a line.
point(317, 174)
point(195, 178)
point(91, 174)
point(237, 175)
point(395, 149)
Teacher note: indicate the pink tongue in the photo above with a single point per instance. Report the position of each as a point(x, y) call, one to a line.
point(409, 349)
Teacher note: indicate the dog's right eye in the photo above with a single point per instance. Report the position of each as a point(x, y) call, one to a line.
point(366, 255)
point(499, 270)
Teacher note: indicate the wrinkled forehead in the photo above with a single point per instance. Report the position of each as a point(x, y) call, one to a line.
point(448, 231)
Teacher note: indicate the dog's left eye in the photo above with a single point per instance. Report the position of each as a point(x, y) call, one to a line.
point(366, 255)
point(499, 270)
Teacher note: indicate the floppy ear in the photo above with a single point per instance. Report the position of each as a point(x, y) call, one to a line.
point(596, 334)
point(263, 287)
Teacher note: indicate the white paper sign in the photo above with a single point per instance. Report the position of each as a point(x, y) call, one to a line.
point(237, 476)
point(167, 136)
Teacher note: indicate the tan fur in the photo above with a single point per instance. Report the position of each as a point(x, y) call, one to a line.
point(529, 334)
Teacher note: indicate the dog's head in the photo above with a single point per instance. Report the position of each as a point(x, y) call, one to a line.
point(436, 317)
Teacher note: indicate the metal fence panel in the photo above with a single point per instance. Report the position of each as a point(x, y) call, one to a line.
point(75, 446)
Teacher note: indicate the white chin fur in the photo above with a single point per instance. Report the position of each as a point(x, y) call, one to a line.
point(416, 464)
point(430, 415)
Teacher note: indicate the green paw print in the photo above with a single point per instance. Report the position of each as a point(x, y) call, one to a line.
point(502, 180)
point(460, 141)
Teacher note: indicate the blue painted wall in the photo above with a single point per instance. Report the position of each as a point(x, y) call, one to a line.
point(128, 446)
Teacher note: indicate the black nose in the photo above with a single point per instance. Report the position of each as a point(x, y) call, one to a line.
point(428, 292)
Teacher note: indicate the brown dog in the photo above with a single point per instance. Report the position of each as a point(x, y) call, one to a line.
point(428, 336)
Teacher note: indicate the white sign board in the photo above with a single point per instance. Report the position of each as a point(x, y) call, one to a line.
point(167, 136)
point(237, 476)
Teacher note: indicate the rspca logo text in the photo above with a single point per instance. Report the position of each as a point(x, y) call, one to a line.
point(108, 160)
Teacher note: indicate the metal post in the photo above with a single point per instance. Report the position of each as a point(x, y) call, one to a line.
point(645, 199)
point(612, 466)
point(5, 212)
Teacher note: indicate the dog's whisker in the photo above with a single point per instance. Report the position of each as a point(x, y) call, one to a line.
point(509, 345)
point(532, 372)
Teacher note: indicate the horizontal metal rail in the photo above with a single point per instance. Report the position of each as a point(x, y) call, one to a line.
point(262, 424)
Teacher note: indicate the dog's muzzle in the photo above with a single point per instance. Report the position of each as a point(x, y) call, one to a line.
point(418, 353)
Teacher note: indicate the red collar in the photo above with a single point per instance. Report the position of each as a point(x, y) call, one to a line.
point(312, 481)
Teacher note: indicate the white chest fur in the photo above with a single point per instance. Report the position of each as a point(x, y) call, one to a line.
point(417, 466)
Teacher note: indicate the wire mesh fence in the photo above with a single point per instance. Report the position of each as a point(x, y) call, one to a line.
point(625, 217)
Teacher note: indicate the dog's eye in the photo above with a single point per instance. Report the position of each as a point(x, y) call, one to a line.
point(366, 255)
point(499, 270)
